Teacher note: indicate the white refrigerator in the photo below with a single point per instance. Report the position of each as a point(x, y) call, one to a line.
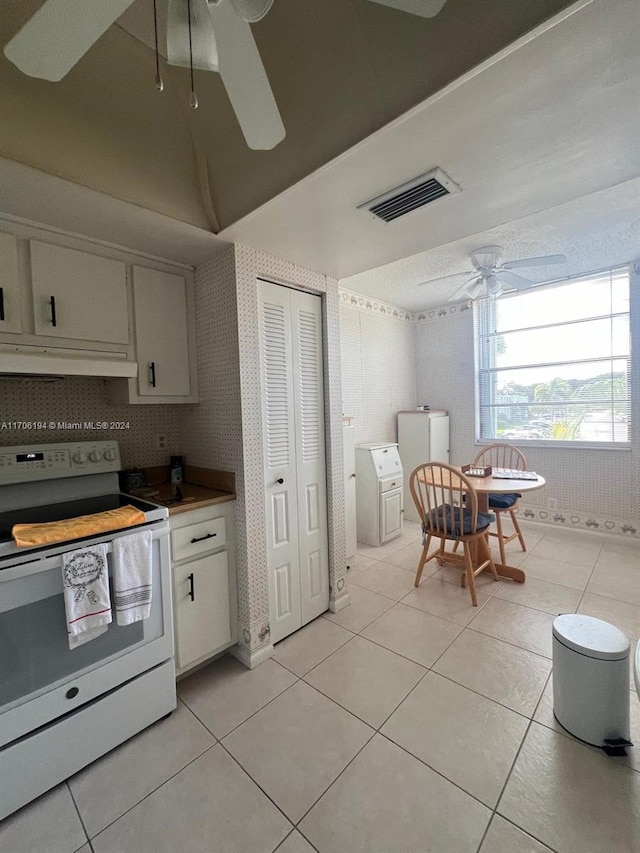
point(422, 437)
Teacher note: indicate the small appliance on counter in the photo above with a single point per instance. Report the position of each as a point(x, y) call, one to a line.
point(379, 502)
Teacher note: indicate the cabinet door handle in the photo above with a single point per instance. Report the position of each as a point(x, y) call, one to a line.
point(353, 476)
point(202, 538)
point(52, 303)
point(152, 368)
point(2, 303)
point(279, 481)
point(192, 589)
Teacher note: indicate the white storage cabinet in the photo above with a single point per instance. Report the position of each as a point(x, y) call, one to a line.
point(10, 309)
point(379, 501)
point(422, 437)
point(204, 583)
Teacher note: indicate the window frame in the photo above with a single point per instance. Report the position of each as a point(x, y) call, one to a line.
point(558, 443)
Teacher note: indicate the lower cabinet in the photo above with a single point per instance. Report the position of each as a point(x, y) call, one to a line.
point(204, 583)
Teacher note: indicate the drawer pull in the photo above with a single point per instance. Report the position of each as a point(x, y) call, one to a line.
point(202, 538)
point(192, 589)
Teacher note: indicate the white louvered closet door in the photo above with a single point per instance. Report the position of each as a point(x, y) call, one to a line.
point(294, 456)
point(306, 327)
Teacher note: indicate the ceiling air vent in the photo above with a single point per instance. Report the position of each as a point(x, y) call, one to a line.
point(410, 196)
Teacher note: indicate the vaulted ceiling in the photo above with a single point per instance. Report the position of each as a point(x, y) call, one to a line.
point(340, 70)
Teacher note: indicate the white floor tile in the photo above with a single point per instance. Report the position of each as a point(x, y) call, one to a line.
point(364, 606)
point(386, 801)
point(304, 649)
point(366, 679)
point(49, 824)
point(500, 671)
point(616, 577)
point(541, 595)
point(624, 616)
point(446, 600)
point(295, 843)
point(140, 766)
point(385, 579)
point(296, 746)
point(225, 693)
point(412, 633)
point(571, 798)
point(544, 568)
point(568, 546)
point(504, 837)
point(469, 739)
point(521, 626)
point(211, 804)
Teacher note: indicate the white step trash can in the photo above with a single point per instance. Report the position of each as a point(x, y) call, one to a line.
point(591, 695)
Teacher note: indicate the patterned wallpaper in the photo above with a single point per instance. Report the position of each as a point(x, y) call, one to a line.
point(76, 400)
point(225, 430)
point(378, 367)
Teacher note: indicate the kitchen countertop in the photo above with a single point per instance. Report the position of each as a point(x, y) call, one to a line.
point(204, 487)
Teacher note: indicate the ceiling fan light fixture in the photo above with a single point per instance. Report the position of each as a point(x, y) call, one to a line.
point(474, 289)
point(494, 287)
point(203, 40)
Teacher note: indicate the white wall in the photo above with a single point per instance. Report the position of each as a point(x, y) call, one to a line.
point(597, 489)
point(378, 366)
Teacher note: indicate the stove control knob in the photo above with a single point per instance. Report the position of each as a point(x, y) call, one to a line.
point(110, 455)
point(95, 456)
point(79, 457)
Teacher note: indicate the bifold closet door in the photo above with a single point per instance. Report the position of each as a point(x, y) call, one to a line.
point(290, 329)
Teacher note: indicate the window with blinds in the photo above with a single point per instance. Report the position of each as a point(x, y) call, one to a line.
point(554, 362)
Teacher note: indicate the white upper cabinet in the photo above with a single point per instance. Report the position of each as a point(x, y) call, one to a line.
point(10, 319)
point(77, 295)
point(162, 341)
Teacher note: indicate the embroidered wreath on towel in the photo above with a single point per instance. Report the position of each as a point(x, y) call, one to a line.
point(81, 571)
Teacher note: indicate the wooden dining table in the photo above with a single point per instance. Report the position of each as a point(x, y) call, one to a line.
point(485, 486)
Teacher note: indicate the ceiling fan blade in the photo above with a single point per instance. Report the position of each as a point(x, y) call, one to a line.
point(545, 260)
point(445, 277)
point(60, 33)
point(514, 280)
point(245, 79)
point(462, 290)
point(423, 8)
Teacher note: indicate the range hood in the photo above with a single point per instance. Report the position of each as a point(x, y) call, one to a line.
point(56, 361)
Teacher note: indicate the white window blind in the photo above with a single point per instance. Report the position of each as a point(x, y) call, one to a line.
point(553, 362)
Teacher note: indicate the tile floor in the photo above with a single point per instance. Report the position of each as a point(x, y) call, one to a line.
point(409, 721)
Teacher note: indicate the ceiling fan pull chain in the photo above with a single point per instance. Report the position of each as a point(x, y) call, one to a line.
point(193, 99)
point(159, 83)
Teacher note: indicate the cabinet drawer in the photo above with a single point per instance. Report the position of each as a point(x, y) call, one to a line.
point(198, 538)
point(390, 483)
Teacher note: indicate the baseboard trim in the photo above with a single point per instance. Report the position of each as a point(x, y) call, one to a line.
point(252, 659)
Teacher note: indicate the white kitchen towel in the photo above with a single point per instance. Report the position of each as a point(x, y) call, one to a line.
point(132, 577)
point(87, 604)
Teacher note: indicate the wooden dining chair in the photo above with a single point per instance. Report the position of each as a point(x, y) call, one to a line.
point(504, 456)
point(447, 505)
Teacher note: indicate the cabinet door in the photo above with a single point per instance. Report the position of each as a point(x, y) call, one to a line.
point(390, 515)
point(162, 349)
point(9, 294)
point(77, 295)
point(201, 595)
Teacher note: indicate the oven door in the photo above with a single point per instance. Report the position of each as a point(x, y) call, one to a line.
point(41, 678)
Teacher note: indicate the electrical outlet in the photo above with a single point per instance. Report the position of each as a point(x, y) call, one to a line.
point(552, 503)
point(161, 440)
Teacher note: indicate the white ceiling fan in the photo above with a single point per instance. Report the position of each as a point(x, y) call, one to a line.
point(211, 35)
point(491, 277)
